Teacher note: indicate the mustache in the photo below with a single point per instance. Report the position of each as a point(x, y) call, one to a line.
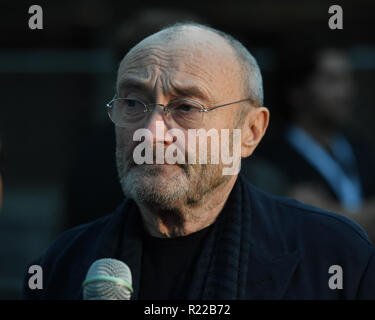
point(130, 163)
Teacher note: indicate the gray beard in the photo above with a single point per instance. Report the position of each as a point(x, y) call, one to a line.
point(147, 187)
point(145, 184)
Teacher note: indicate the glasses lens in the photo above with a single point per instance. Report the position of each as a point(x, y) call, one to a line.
point(124, 112)
point(186, 113)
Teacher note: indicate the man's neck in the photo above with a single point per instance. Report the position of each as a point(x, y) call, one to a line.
point(190, 218)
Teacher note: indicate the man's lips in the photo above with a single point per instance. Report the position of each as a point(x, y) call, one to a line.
point(156, 166)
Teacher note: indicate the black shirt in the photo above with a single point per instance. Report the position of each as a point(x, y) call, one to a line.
point(168, 265)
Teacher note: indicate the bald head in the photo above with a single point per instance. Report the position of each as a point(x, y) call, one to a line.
point(202, 41)
point(185, 35)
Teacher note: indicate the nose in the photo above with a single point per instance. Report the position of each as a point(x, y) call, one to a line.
point(157, 124)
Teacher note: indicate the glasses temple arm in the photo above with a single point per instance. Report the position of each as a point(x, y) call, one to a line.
point(227, 104)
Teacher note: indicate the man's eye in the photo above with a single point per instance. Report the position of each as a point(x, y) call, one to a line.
point(185, 108)
point(131, 103)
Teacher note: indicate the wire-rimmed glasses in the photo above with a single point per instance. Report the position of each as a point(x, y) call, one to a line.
point(129, 112)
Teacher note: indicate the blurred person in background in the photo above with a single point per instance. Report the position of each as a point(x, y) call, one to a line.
point(317, 158)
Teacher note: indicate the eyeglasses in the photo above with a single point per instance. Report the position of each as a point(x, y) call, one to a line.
point(127, 112)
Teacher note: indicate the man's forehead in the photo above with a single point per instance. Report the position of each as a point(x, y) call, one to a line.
point(185, 44)
point(206, 60)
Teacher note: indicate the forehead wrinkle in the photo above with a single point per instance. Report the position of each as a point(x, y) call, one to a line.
point(130, 81)
point(173, 80)
point(157, 55)
point(135, 77)
point(140, 51)
point(182, 58)
point(146, 63)
point(190, 88)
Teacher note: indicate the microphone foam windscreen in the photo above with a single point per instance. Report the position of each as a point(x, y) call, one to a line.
point(108, 279)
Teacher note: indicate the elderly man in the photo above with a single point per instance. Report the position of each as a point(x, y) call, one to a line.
point(186, 230)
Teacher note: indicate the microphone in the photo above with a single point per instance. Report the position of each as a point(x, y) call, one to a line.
point(108, 279)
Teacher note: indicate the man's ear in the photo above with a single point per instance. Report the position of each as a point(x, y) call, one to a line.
point(253, 129)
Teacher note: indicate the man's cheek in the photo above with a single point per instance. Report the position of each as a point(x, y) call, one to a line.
point(123, 144)
point(123, 135)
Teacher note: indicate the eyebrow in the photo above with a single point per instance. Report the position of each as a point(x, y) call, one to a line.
point(191, 91)
point(178, 90)
point(132, 83)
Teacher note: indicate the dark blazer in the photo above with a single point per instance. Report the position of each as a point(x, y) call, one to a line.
point(262, 247)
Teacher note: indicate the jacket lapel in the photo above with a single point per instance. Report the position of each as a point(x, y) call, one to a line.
point(236, 262)
point(218, 269)
point(269, 278)
point(130, 249)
